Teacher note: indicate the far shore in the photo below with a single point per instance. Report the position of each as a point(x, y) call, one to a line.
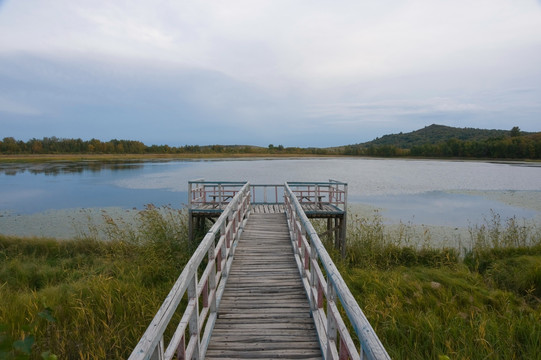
point(41, 158)
point(143, 157)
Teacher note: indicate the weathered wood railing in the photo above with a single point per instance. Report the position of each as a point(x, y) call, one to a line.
point(218, 247)
point(218, 193)
point(319, 193)
point(203, 192)
point(267, 193)
point(326, 283)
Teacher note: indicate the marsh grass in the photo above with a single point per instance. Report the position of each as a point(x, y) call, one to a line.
point(100, 291)
point(429, 303)
point(101, 294)
point(371, 244)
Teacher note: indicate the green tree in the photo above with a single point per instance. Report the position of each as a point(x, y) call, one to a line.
point(515, 131)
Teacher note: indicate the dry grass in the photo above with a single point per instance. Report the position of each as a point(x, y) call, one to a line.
point(90, 299)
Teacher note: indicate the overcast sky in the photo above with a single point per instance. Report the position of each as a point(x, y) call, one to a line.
point(297, 73)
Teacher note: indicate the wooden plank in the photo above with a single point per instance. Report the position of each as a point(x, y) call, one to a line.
point(265, 345)
point(272, 353)
point(264, 312)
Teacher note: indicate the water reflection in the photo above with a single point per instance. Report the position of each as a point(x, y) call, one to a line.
point(60, 168)
point(423, 191)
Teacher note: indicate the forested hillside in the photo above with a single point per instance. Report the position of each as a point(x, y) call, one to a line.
point(434, 134)
point(432, 141)
point(445, 141)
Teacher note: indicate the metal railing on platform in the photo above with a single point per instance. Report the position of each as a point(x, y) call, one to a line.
point(325, 284)
point(218, 247)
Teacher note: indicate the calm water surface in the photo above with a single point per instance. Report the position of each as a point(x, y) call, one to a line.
point(418, 191)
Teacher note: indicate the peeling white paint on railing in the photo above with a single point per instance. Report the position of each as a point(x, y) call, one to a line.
point(207, 289)
point(334, 337)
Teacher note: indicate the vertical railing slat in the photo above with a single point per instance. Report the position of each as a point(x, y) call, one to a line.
point(151, 344)
point(337, 340)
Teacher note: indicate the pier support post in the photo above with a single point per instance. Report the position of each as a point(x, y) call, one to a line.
point(329, 230)
point(190, 226)
point(343, 227)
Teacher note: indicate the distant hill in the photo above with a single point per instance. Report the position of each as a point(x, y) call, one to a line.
point(435, 134)
point(445, 141)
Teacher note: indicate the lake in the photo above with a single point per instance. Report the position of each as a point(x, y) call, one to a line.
point(431, 192)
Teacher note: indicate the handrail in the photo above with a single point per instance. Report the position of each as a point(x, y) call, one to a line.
point(261, 194)
point(331, 329)
point(219, 193)
point(332, 192)
point(208, 290)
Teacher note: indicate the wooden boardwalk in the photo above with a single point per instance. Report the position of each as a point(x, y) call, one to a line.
point(264, 311)
point(261, 284)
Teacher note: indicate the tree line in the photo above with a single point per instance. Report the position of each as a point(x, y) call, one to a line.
point(514, 146)
point(54, 145)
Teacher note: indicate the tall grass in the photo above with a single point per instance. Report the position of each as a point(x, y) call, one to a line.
point(371, 244)
point(93, 297)
point(429, 303)
point(101, 294)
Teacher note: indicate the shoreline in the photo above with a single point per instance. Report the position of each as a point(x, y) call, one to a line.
point(38, 158)
point(44, 158)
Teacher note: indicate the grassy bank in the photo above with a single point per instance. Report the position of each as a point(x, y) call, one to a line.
point(89, 299)
point(85, 298)
point(479, 303)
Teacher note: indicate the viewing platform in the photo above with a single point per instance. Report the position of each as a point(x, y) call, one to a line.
point(261, 284)
point(321, 200)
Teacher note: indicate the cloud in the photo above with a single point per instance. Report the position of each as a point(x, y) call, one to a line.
point(309, 72)
point(389, 108)
point(13, 107)
point(304, 41)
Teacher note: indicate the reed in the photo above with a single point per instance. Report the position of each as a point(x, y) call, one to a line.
point(93, 297)
point(101, 294)
point(441, 303)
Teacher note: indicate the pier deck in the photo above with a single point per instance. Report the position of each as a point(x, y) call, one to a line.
point(264, 312)
point(261, 284)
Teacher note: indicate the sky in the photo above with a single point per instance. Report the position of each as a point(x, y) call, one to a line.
point(259, 72)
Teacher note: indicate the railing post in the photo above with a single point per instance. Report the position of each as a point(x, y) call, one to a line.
point(194, 319)
point(190, 217)
point(304, 250)
point(225, 246)
point(212, 277)
point(331, 321)
point(313, 276)
point(190, 194)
